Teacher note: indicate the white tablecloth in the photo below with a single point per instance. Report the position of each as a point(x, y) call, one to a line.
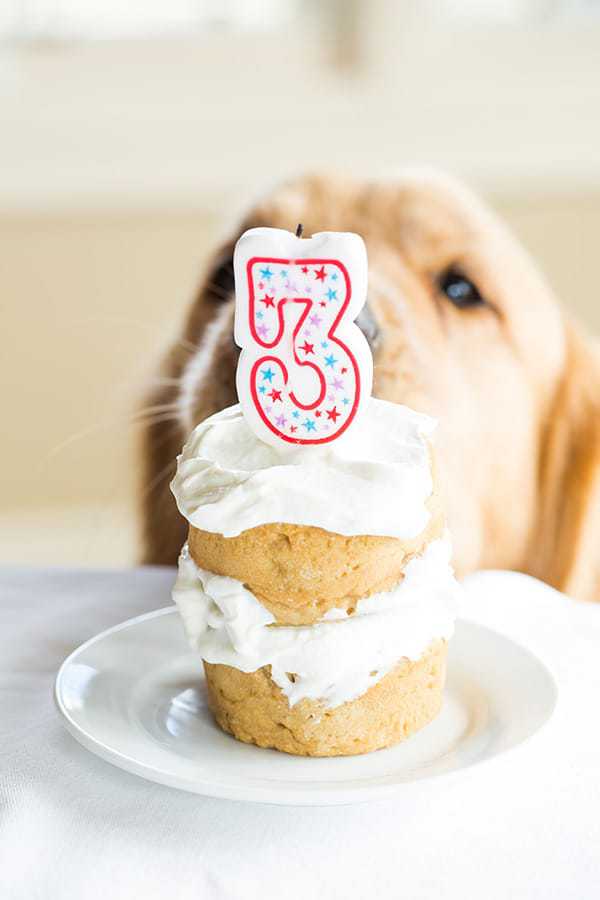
point(524, 826)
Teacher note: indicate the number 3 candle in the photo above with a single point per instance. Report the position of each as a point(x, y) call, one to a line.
point(305, 370)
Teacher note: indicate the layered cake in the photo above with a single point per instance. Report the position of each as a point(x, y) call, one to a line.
point(316, 582)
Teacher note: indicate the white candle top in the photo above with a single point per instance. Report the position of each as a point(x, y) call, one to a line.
point(305, 371)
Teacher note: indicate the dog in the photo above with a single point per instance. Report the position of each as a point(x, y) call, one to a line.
point(462, 326)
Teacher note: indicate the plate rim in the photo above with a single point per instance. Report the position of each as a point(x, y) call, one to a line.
point(281, 794)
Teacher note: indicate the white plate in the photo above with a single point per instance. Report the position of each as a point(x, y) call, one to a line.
point(134, 695)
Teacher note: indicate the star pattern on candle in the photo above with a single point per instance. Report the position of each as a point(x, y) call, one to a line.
point(320, 292)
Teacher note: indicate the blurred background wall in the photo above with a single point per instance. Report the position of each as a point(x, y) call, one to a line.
point(133, 134)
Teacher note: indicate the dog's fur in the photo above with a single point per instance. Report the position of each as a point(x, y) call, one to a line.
point(513, 381)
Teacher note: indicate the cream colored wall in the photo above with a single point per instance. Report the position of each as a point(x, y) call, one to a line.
point(89, 301)
point(562, 233)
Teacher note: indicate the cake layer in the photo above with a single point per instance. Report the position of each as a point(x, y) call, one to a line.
point(252, 708)
point(299, 572)
point(336, 659)
point(374, 480)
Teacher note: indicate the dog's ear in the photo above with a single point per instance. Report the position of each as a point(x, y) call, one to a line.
point(567, 548)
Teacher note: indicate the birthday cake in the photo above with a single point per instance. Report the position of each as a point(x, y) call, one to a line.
point(316, 582)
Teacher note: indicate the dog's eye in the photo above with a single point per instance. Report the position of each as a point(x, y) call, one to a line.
point(459, 289)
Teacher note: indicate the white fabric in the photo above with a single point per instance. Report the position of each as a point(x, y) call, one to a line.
point(523, 826)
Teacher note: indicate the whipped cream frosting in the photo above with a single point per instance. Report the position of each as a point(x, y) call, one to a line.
point(338, 658)
point(375, 479)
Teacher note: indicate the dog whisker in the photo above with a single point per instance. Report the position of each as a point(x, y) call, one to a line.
point(149, 416)
point(155, 420)
point(77, 436)
point(151, 410)
point(218, 290)
point(165, 472)
point(186, 345)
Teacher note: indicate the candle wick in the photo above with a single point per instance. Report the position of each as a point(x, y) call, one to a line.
point(299, 230)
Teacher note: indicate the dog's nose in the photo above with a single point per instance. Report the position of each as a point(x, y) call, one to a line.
point(367, 323)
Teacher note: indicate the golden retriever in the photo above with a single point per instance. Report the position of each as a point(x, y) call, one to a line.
point(462, 326)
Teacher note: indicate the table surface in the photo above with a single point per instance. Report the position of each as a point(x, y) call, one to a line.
point(71, 826)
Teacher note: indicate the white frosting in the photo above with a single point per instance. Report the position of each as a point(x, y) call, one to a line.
point(373, 480)
point(340, 657)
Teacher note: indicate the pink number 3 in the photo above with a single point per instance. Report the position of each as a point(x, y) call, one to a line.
point(305, 367)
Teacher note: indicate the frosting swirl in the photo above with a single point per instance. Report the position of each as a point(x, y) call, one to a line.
point(340, 657)
point(373, 480)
